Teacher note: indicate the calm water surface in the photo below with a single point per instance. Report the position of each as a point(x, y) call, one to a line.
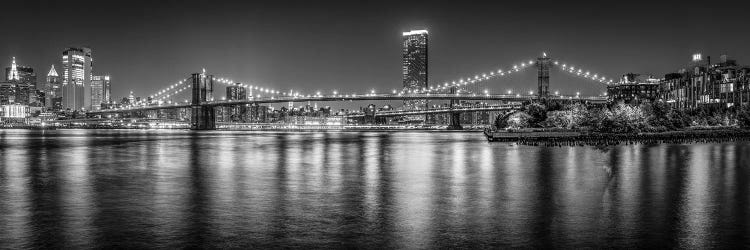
point(146, 189)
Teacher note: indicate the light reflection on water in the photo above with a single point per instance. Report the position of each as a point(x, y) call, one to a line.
point(111, 188)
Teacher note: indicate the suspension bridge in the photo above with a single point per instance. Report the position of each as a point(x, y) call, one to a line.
point(201, 103)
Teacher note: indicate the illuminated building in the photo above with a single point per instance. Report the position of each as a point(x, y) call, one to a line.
point(414, 64)
point(258, 114)
point(634, 89)
point(53, 90)
point(14, 111)
point(100, 91)
point(20, 74)
point(236, 92)
point(107, 90)
point(77, 64)
point(7, 93)
point(706, 84)
point(20, 85)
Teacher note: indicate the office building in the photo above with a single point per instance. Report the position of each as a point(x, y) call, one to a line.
point(414, 61)
point(236, 92)
point(53, 90)
point(77, 64)
point(100, 91)
point(20, 74)
point(7, 93)
point(20, 86)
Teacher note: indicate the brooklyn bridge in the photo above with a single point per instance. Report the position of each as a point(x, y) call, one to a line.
point(196, 97)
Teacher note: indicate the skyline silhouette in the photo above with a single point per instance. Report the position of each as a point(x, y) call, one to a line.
point(355, 46)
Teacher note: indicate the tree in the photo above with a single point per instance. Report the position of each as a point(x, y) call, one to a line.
point(621, 119)
point(680, 119)
point(743, 117)
point(659, 114)
point(537, 113)
point(519, 120)
point(559, 119)
point(501, 121)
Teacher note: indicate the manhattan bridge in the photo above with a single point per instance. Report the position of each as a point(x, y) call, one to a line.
point(200, 103)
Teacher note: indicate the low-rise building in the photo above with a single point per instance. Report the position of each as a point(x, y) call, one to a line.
point(634, 89)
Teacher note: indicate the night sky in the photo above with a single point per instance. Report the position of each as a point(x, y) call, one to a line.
point(356, 45)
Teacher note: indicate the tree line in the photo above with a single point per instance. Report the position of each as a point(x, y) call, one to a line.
point(655, 116)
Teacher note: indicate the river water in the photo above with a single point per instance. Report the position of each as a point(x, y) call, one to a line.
point(177, 189)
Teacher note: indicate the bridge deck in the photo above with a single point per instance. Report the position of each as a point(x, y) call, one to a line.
point(284, 99)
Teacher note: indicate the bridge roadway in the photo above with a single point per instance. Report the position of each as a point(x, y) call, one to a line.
point(368, 97)
point(438, 111)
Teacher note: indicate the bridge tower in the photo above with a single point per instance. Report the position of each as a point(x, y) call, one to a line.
point(543, 64)
point(454, 117)
point(202, 116)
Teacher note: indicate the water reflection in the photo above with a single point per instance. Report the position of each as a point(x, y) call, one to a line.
point(179, 189)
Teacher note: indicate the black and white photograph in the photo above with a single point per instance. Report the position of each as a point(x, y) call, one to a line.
point(412, 124)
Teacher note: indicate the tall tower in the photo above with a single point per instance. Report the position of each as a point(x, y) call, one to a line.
point(107, 89)
point(12, 74)
point(77, 64)
point(543, 64)
point(53, 90)
point(20, 74)
point(414, 63)
point(24, 80)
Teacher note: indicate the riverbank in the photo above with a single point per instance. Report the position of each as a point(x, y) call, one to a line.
point(587, 138)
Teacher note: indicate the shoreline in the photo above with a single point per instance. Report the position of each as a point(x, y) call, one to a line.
point(585, 138)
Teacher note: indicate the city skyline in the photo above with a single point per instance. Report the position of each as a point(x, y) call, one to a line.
point(275, 124)
point(292, 53)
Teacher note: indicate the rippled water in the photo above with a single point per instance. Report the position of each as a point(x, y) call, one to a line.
point(138, 189)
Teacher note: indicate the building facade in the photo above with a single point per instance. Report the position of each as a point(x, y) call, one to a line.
point(703, 83)
point(76, 81)
point(236, 92)
point(53, 90)
point(19, 86)
point(7, 93)
point(20, 74)
point(414, 61)
point(100, 91)
point(634, 89)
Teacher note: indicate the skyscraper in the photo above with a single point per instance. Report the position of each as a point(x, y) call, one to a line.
point(414, 66)
point(100, 90)
point(11, 73)
point(20, 74)
point(236, 92)
point(23, 80)
point(77, 65)
point(107, 90)
point(53, 90)
point(414, 63)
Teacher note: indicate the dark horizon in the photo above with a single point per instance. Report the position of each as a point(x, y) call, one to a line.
point(355, 46)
